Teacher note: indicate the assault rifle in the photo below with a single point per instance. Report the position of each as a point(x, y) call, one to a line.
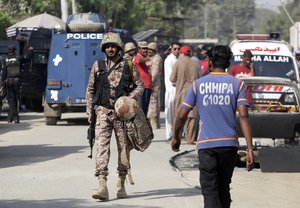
point(97, 96)
point(91, 132)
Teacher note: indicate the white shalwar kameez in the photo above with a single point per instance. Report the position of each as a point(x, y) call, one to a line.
point(169, 94)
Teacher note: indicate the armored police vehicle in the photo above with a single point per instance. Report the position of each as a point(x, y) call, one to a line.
point(71, 58)
point(34, 48)
point(70, 61)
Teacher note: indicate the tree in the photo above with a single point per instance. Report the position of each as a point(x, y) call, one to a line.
point(236, 16)
point(13, 11)
point(279, 22)
point(17, 9)
point(5, 22)
point(51, 7)
point(174, 19)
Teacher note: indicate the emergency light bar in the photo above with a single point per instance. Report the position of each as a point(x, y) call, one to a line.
point(253, 37)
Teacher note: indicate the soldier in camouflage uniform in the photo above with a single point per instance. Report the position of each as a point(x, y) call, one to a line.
point(155, 65)
point(129, 50)
point(106, 117)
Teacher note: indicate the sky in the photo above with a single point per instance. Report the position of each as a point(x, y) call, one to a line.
point(273, 4)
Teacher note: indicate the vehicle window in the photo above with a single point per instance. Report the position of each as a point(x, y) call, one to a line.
point(94, 18)
point(94, 45)
point(269, 66)
point(75, 45)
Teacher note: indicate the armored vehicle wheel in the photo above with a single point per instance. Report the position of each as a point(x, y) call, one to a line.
point(86, 27)
point(51, 120)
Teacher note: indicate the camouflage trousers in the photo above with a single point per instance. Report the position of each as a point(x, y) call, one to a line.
point(107, 122)
point(153, 109)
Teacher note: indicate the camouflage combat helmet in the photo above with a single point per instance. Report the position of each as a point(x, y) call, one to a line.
point(113, 38)
point(152, 46)
point(129, 46)
point(126, 108)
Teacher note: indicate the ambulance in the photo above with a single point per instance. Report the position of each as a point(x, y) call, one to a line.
point(274, 87)
point(272, 57)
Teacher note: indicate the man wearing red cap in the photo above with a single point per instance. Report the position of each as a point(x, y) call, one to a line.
point(184, 72)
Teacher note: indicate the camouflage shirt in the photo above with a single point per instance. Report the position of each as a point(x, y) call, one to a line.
point(114, 79)
point(156, 69)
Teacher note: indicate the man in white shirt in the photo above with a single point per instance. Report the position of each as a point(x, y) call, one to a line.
point(170, 89)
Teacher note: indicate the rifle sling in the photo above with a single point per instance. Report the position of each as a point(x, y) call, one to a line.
point(110, 69)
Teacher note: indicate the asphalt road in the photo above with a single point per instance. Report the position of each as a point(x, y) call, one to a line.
point(47, 166)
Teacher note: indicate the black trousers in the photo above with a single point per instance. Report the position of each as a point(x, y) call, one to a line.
point(13, 97)
point(146, 100)
point(216, 166)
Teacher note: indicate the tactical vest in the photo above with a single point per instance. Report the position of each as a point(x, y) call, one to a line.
point(13, 66)
point(102, 85)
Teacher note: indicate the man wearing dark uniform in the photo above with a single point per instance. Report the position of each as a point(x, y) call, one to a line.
point(11, 75)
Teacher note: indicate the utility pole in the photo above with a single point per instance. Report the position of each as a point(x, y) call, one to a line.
point(74, 8)
point(64, 10)
point(292, 21)
point(287, 13)
point(206, 10)
point(234, 29)
point(205, 20)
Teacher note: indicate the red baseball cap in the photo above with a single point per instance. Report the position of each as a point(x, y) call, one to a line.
point(185, 49)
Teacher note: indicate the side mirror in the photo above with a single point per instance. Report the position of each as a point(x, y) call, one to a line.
point(291, 74)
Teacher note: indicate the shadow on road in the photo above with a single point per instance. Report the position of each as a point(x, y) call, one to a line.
point(29, 117)
point(79, 121)
point(65, 203)
point(8, 127)
point(164, 193)
point(27, 154)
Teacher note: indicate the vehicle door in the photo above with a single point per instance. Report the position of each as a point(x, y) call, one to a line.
point(81, 56)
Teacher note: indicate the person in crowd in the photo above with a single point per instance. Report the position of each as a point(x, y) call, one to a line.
point(11, 76)
point(204, 59)
point(297, 56)
point(140, 61)
point(156, 70)
point(218, 97)
point(244, 69)
point(163, 52)
point(101, 97)
point(2, 65)
point(194, 55)
point(184, 73)
point(170, 88)
point(129, 50)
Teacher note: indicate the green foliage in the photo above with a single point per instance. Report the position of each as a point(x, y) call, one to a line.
point(236, 17)
point(5, 21)
point(175, 19)
point(129, 14)
point(16, 9)
point(49, 6)
point(261, 15)
point(279, 21)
